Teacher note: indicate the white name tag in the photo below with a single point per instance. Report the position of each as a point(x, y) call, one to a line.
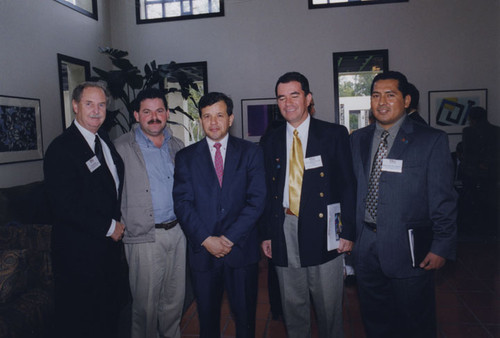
point(93, 164)
point(313, 162)
point(393, 166)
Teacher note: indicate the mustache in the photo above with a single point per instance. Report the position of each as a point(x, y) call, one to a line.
point(154, 121)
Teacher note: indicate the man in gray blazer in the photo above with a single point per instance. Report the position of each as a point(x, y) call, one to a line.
point(405, 196)
point(155, 245)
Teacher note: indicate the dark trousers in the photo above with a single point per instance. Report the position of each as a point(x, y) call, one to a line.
point(85, 308)
point(241, 287)
point(393, 307)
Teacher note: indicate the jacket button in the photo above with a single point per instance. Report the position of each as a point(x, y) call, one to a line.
point(321, 194)
point(320, 215)
point(274, 178)
point(275, 197)
point(322, 174)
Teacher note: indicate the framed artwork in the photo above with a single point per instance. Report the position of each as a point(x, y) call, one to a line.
point(257, 116)
point(342, 3)
point(86, 7)
point(20, 129)
point(150, 11)
point(448, 110)
point(72, 72)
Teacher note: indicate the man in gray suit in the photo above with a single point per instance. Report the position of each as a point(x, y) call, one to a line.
point(155, 245)
point(406, 204)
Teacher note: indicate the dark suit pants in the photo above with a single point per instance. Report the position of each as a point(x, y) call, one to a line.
point(241, 287)
point(393, 307)
point(85, 307)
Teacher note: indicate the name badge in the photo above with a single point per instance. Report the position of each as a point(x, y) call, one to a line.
point(393, 166)
point(93, 164)
point(313, 162)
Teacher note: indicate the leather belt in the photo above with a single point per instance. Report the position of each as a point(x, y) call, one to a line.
point(289, 212)
point(371, 226)
point(167, 225)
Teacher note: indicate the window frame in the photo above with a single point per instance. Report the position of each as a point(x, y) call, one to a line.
point(140, 3)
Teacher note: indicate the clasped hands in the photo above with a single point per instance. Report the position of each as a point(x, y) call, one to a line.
point(219, 246)
point(119, 232)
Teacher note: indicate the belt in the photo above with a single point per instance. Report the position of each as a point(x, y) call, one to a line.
point(167, 225)
point(371, 226)
point(289, 212)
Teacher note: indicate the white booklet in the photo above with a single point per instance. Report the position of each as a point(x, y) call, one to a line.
point(334, 226)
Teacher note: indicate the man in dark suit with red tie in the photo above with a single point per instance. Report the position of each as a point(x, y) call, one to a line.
point(84, 175)
point(219, 194)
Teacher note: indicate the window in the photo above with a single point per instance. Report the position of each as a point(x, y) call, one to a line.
point(339, 3)
point(148, 11)
point(353, 73)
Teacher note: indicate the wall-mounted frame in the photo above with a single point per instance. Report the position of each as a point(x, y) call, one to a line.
point(187, 129)
point(86, 7)
point(353, 73)
point(257, 116)
point(151, 11)
point(342, 3)
point(449, 109)
point(72, 71)
point(20, 129)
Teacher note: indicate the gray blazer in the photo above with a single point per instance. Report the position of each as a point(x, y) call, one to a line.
point(137, 203)
point(422, 195)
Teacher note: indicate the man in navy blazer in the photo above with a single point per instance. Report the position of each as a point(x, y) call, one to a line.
point(298, 244)
point(84, 192)
point(218, 211)
point(415, 195)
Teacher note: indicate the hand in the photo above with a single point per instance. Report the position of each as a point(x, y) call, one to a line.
point(345, 246)
point(226, 241)
point(119, 232)
point(216, 246)
point(432, 262)
point(266, 248)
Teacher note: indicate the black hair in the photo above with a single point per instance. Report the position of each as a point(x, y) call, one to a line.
point(214, 97)
point(393, 75)
point(149, 93)
point(293, 76)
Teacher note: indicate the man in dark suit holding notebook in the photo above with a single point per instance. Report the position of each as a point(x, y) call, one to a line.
point(404, 179)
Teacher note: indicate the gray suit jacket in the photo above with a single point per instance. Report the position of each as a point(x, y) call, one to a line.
point(422, 195)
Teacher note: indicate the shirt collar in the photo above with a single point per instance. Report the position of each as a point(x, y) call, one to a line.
point(87, 134)
point(223, 142)
point(393, 131)
point(142, 138)
point(303, 128)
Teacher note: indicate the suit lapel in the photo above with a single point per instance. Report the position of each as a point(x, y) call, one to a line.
point(233, 154)
point(402, 140)
point(280, 157)
point(205, 163)
point(366, 148)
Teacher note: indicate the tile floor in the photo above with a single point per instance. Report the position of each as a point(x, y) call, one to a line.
point(467, 295)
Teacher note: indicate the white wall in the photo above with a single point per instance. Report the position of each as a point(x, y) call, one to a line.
point(439, 45)
point(32, 33)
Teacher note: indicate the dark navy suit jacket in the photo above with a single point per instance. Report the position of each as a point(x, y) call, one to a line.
point(422, 195)
point(332, 182)
point(205, 209)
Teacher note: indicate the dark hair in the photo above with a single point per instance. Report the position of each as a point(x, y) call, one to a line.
point(415, 96)
point(78, 91)
point(213, 98)
point(393, 75)
point(293, 76)
point(149, 93)
point(477, 114)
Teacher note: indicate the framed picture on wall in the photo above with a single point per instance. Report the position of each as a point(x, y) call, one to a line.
point(86, 7)
point(20, 129)
point(257, 116)
point(449, 109)
point(342, 3)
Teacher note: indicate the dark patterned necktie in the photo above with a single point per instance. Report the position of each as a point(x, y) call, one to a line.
point(219, 164)
point(98, 151)
point(373, 185)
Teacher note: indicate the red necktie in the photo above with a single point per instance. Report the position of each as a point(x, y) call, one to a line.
point(219, 164)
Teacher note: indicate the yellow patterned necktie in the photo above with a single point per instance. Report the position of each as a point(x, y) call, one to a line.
point(296, 172)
